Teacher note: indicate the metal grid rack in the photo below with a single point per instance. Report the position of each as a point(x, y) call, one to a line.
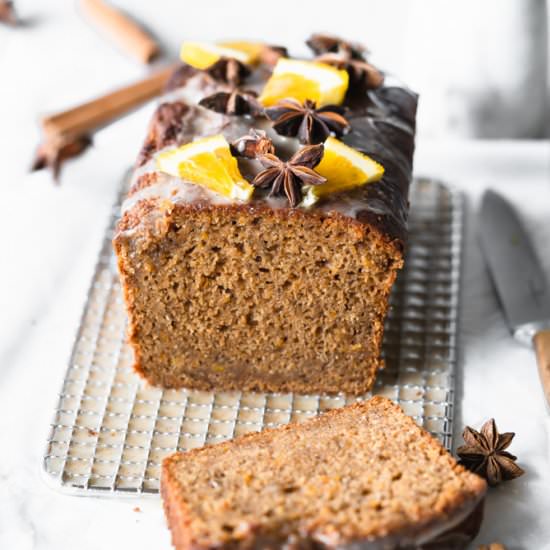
point(110, 431)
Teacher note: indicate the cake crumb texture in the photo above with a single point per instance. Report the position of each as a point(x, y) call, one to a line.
point(256, 299)
point(363, 474)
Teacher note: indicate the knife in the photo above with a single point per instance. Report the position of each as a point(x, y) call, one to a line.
point(518, 277)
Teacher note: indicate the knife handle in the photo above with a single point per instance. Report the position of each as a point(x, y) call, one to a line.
point(542, 349)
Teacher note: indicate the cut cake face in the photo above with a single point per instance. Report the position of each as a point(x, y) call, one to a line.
point(363, 474)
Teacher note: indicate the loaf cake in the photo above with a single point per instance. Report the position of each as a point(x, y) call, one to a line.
point(362, 476)
point(266, 220)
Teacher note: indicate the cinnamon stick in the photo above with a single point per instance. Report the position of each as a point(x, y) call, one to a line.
point(92, 115)
point(7, 13)
point(67, 134)
point(129, 36)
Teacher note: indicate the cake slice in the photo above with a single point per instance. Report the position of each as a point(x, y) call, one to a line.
point(361, 476)
point(234, 279)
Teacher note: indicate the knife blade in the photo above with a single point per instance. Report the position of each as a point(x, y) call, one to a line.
point(520, 282)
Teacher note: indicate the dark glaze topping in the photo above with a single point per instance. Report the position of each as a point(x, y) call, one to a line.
point(165, 128)
point(382, 125)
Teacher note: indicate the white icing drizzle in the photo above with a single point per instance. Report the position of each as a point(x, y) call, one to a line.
point(179, 191)
point(194, 90)
point(425, 535)
point(174, 190)
point(201, 122)
point(346, 205)
point(390, 80)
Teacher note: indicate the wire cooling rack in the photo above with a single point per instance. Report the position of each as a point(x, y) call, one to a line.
point(111, 431)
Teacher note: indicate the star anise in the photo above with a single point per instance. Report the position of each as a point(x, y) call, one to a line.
point(289, 177)
point(484, 453)
point(323, 43)
point(55, 150)
point(254, 144)
point(270, 54)
point(234, 102)
point(311, 125)
point(228, 70)
point(362, 75)
point(7, 13)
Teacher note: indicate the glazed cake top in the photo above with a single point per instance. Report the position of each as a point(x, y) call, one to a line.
point(380, 113)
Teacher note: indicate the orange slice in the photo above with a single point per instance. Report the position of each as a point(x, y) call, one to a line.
point(202, 54)
point(303, 80)
point(345, 168)
point(252, 49)
point(207, 162)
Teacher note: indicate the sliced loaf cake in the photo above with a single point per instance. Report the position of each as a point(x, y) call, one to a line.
point(250, 287)
point(364, 474)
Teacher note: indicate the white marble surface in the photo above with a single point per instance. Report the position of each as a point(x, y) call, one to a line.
point(50, 237)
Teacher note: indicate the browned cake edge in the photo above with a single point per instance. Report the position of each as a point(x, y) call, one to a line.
point(468, 511)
